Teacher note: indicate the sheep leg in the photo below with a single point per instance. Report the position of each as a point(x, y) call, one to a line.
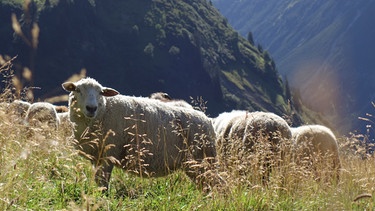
point(196, 175)
point(103, 175)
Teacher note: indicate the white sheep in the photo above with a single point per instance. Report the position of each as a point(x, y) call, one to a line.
point(248, 128)
point(223, 123)
point(19, 107)
point(168, 136)
point(317, 144)
point(42, 112)
point(242, 132)
point(164, 97)
point(245, 125)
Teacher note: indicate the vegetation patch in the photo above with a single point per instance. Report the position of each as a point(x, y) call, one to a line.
point(238, 80)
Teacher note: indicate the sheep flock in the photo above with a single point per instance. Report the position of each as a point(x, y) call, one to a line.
point(157, 135)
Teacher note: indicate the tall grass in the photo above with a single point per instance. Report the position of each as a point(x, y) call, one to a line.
point(40, 169)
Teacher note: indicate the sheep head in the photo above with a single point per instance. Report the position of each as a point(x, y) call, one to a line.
point(162, 96)
point(87, 96)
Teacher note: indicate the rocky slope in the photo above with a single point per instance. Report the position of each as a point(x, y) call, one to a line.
point(185, 48)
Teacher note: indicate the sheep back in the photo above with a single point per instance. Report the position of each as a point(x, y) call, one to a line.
point(42, 112)
point(317, 139)
point(316, 149)
point(169, 134)
point(224, 122)
point(257, 124)
point(241, 134)
point(20, 107)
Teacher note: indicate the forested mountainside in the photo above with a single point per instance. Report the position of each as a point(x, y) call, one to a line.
point(325, 48)
point(185, 48)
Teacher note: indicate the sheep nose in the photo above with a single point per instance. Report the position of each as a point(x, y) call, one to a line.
point(91, 109)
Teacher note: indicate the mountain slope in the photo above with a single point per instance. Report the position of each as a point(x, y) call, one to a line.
point(323, 47)
point(185, 48)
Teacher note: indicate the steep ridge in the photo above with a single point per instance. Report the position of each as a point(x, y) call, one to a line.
point(185, 48)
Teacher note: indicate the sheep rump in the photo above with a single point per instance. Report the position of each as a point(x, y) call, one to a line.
point(314, 141)
point(269, 124)
point(244, 126)
point(241, 134)
point(16, 109)
point(19, 107)
point(224, 122)
point(169, 135)
point(42, 112)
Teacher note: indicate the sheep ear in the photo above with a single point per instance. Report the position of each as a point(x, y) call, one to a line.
point(109, 92)
point(165, 95)
point(69, 86)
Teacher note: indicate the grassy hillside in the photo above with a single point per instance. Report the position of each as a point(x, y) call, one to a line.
point(41, 170)
point(185, 48)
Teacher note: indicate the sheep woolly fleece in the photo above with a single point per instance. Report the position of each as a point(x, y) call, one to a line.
point(19, 107)
point(42, 112)
point(164, 131)
point(243, 124)
point(224, 122)
point(317, 139)
point(238, 131)
point(16, 109)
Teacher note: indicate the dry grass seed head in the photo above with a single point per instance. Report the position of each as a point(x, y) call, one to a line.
point(137, 149)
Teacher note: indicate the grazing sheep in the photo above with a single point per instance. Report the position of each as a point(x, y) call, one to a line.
point(19, 108)
point(242, 133)
point(319, 146)
point(270, 125)
point(164, 97)
point(15, 110)
point(149, 137)
point(42, 112)
point(244, 125)
point(223, 123)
